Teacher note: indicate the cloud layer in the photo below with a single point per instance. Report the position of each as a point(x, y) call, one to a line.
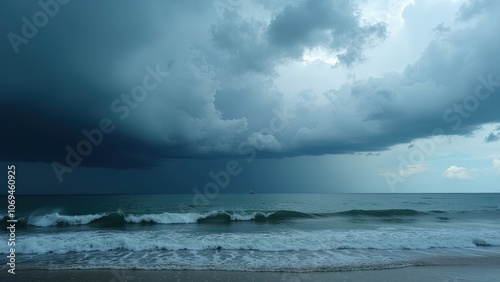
point(457, 172)
point(219, 96)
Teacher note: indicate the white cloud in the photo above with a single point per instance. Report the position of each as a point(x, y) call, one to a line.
point(457, 172)
point(388, 11)
point(496, 165)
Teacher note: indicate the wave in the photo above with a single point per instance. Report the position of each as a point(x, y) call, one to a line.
point(217, 216)
point(57, 219)
point(382, 213)
point(275, 241)
point(119, 218)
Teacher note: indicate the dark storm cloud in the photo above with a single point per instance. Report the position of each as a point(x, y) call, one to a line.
point(335, 25)
point(215, 89)
point(306, 25)
point(67, 75)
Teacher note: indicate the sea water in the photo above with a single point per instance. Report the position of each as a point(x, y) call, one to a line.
point(254, 232)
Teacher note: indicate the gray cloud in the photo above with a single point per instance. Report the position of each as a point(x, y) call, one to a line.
point(67, 77)
point(439, 90)
point(304, 25)
point(472, 9)
point(334, 25)
point(492, 137)
point(220, 91)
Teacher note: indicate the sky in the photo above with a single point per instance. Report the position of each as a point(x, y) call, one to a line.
point(302, 96)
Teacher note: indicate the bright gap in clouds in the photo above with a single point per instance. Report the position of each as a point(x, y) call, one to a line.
point(388, 11)
point(319, 55)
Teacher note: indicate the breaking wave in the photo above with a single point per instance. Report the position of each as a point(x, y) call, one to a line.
point(217, 216)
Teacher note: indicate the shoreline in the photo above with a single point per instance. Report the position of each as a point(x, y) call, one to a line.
point(476, 272)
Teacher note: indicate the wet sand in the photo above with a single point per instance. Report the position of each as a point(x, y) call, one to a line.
point(478, 272)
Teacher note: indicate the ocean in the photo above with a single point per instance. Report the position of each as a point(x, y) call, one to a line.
point(254, 232)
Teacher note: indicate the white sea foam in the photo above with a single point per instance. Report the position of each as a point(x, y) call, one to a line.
point(55, 219)
point(164, 218)
point(173, 218)
point(401, 239)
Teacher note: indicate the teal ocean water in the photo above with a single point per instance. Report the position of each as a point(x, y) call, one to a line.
point(254, 232)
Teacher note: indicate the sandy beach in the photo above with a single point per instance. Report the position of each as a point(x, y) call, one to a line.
point(479, 272)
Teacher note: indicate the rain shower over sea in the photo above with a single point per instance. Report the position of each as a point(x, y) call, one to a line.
point(258, 232)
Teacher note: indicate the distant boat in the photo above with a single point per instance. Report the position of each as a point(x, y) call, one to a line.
point(251, 192)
